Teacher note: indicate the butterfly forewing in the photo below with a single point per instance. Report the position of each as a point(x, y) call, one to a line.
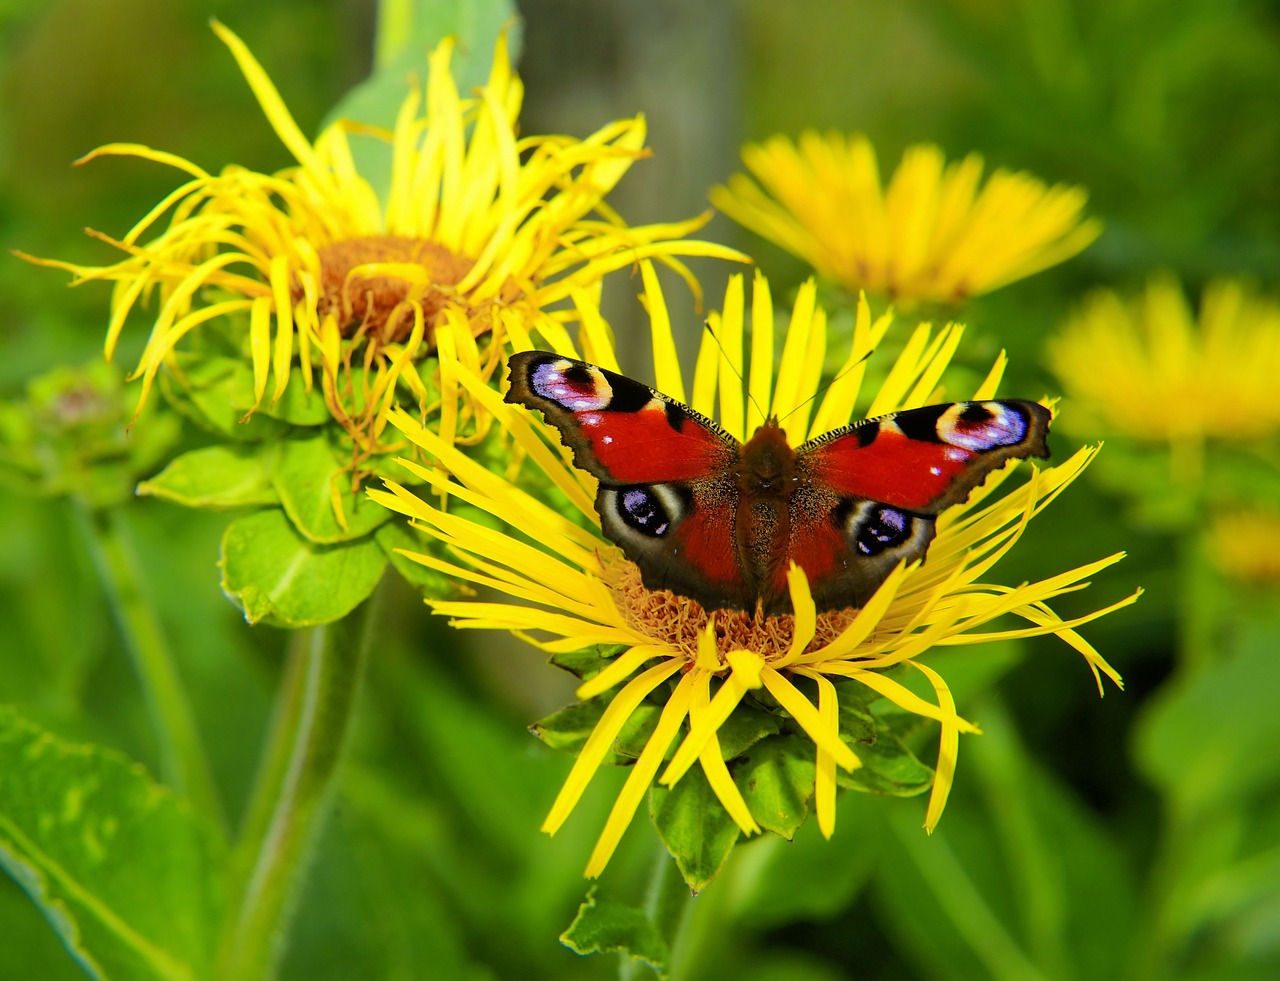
point(666, 496)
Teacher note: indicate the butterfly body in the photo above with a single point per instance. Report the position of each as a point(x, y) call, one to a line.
point(721, 521)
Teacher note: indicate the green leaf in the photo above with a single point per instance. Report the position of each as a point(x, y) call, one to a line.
point(212, 393)
point(1208, 739)
point(306, 475)
point(408, 32)
point(567, 729)
point(298, 405)
point(776, 779)
point(603, 927)
point(116, 863)
point(888, 767)
point(277, 576)
point(744, 728)
point(395, 535)
point(230, 476)
point(1020, 881)
point(856, 725)
point(694, 827)
point(586, 663)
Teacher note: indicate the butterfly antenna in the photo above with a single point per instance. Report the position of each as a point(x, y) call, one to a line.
point(827, 387)
point(706, 325)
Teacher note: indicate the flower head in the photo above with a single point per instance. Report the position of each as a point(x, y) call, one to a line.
point(1247, 545)
point(935, 234)
point(1150, 369)
point(566, 582)
point(477, 224)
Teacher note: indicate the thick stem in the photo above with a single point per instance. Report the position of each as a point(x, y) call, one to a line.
point(183, 762)
point(292, 792)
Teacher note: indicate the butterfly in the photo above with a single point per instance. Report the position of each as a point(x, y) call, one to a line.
point(720, 521)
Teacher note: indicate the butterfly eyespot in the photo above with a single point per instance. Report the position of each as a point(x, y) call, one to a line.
point(981, 426)
point(647, 510)
point(875, 528)
point(575, 387)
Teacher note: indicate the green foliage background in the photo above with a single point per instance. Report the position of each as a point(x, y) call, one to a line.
point(1136, 836)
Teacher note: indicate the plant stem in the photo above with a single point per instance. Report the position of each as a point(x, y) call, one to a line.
point(183, 762)
point(666, 902)
point(292, 791)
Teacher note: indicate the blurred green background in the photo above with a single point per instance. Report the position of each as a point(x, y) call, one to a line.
point(1132, 836)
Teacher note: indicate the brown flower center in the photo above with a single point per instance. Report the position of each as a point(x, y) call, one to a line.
point(380, 302)
point(677, 621)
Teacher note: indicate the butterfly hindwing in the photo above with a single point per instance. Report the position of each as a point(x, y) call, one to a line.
point(868, 496)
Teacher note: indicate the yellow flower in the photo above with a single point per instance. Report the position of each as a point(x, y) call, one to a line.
point(1150, 369)
point(1246, 545)
point(477, 222)
point(565, 580)
point(934, 235)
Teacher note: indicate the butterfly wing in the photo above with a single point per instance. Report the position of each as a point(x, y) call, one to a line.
point(868, 496)
point(667, 495)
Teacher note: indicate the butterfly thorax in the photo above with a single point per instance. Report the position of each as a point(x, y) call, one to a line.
point(765, 478)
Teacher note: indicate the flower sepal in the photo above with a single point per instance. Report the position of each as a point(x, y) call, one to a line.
point(772, 765)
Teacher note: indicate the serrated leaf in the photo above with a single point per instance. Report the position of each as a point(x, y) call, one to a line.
point(776, 779)
point(603, 927)
point(694, 827)
point(277, 576)
point(116, 863)
point(309, 477)
point(228, 476)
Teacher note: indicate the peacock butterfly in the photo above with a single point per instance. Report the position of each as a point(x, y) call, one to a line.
point(719, 521)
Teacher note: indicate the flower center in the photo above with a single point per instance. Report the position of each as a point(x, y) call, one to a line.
point(372, 285)
point(677, 621)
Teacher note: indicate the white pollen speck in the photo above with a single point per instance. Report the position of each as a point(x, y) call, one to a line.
point(607, 439)
point(935, 471)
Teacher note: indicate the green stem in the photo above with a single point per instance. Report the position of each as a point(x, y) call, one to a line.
point(667, 903)
point(395, 27)
point(292, 791)
point(183, 762)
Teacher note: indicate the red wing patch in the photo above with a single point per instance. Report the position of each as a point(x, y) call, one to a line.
point(705, 543)
point(620, 430)
point(642, 447)
point(893, 468)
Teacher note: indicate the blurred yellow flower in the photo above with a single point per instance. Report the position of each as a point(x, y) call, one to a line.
point(1246, 545)
point(567, 581)
point(477, 222)
point(933, 235)
point(1150, 369)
